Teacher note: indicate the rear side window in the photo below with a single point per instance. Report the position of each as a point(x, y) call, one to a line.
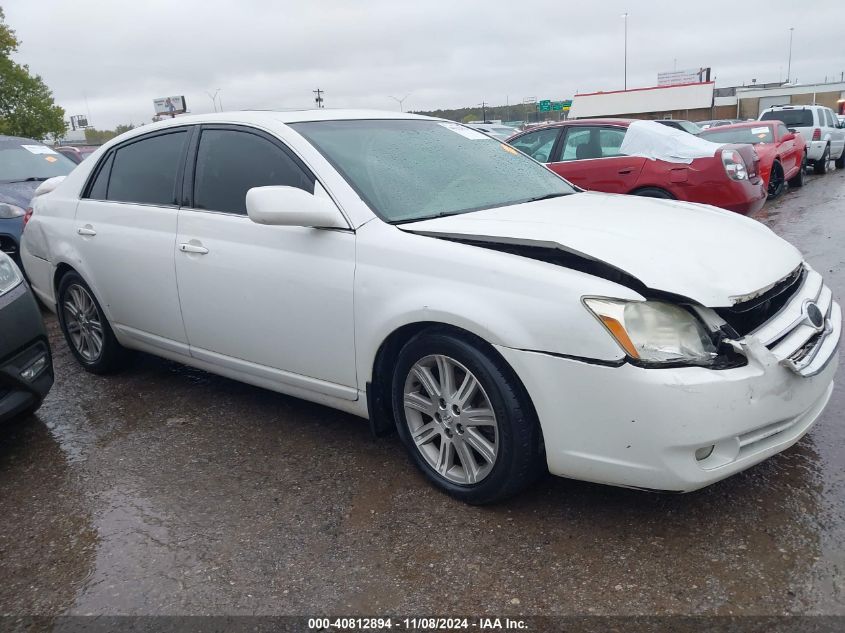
point(145, 171)
point(790, 118)
point(829, 115)
point(230, 162)
point(100, 186)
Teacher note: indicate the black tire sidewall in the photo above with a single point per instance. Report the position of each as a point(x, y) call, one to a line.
point(653, 192)
point(776, 166)
point(821, 165)
point(516, 421)
point(112, 353)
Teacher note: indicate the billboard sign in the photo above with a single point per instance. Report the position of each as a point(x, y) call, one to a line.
point(170, 105)
point(679, 77)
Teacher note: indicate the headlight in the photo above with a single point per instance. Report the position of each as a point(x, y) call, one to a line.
point(8, 211)
point(654, 331)
point(10, 276)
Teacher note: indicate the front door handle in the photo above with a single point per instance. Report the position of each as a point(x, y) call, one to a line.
point(87, 231)
point(622, 172)
point(193, 248)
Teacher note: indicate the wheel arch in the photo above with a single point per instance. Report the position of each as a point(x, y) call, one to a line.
point(640, 188)
point(378, 385)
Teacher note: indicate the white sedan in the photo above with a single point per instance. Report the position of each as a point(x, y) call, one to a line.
point(419, 273)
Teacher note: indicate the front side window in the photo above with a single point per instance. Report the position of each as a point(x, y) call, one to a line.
point(538, 145)
point(231, 162)
point(145, 171)
point(408, 170)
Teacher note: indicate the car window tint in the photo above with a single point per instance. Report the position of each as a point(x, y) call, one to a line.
point(99, 188)
point(829, 115)
point(538, 145)
point(145, 171)
point(792, 118)
point(782, 131)
point(230, 162)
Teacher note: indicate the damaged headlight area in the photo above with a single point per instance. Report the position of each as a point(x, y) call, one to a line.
point(662, 334)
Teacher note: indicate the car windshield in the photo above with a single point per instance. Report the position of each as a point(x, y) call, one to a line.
point(22, 160)
point(790, 118)
point(409, 170)
point(752, 135)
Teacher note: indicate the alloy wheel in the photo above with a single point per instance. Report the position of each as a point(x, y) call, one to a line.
point(451, 419)
point(83, 322)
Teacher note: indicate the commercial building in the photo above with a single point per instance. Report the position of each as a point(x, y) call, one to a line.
point(702, 100)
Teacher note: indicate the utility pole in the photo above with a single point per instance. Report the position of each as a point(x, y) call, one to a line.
point(625, 17)
point(319, 98)
point(483, 105)
point(400, 101)
point(789, 64)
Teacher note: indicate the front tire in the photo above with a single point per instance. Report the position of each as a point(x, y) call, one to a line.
point(87, 330)
point(820, 167)
point(465, 418)
point(776, 180)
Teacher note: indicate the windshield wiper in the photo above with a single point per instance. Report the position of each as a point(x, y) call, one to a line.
point(30, 179)
point(549, 196)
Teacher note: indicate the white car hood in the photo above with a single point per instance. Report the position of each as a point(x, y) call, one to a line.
point(709, 255)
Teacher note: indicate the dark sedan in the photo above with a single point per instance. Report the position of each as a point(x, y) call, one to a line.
point(26, 367)
point(24, 164)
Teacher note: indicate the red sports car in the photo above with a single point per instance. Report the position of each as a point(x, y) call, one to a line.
point(783, 154)
point(663, 163)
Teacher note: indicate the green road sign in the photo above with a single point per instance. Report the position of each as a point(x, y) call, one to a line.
point(544, 106)
point(557, 105)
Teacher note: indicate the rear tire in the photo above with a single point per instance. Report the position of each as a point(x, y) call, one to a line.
point(840, 162)
point(776, 180)
point(654, 192)
point(480, 444)
point(820, 166)
point(797, 181)
point(87, 330)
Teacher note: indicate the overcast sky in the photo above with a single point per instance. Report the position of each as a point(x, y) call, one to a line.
point(121, 54)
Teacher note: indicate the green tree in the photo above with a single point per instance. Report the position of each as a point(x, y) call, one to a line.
point(94, 136)
point(26, 103)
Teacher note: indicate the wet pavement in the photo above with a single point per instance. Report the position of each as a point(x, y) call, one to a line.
point(166, 490)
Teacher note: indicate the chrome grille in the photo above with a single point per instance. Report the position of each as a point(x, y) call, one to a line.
point(805, 333)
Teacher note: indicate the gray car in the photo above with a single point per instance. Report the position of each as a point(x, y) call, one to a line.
point(24, 164)
point(26, 366)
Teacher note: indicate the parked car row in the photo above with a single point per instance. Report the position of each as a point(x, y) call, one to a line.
point(421, 274)
point(742, 164)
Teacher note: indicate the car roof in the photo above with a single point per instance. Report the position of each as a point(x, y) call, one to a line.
point(744, 124)
point(604, 121)
point(17, 140)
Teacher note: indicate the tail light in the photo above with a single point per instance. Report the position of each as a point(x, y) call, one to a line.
point(817, 134)
point(26, 216)
point(734, 165)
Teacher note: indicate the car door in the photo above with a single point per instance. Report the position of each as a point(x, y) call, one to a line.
point(125, 234)
point(271, 301)
point(791, 154)
point(837, 135)
point(588, 156)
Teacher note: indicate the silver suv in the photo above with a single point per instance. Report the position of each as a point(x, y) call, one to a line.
point(821, 129)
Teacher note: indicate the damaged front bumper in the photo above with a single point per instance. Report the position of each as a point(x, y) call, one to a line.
point(674, 429)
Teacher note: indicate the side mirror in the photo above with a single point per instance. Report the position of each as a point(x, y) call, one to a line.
point(792, 129)
point(48, 185)
point(290, 206)
point(788, 137)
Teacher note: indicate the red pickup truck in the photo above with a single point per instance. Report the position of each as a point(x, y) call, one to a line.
point(589, 154)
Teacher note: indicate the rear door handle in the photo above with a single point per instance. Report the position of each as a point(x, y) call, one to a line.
point(86, 230)
point(193, 248)
point(626, 171)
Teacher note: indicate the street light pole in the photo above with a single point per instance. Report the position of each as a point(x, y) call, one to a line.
point(625, 17)
point(789, 64)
